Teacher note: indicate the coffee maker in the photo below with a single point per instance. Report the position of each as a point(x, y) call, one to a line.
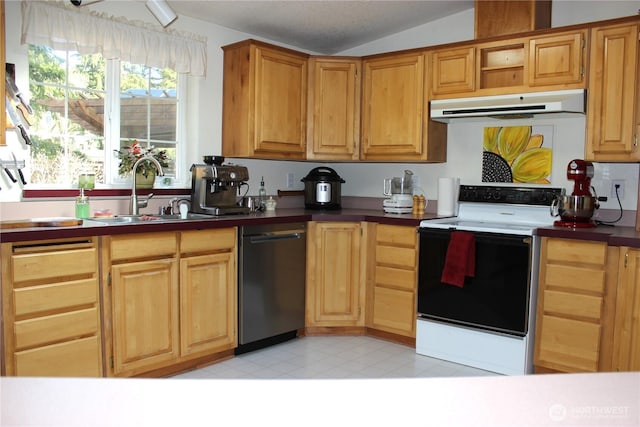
point(215, 188)
point(400, 192)
point(577, 209)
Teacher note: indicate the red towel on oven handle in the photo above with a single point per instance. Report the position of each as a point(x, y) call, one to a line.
point(460, 261)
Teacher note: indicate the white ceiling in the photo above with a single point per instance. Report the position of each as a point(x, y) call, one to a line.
point(324, 27)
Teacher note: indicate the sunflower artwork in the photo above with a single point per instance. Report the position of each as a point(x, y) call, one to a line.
point(516, 154)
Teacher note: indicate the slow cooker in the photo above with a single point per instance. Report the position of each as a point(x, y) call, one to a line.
point(322, 188)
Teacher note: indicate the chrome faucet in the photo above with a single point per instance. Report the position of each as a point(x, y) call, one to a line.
point(135, 204)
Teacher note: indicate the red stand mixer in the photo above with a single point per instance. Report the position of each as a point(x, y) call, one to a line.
point(577, 209)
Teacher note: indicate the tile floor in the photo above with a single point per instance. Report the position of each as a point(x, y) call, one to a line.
point(333, 357)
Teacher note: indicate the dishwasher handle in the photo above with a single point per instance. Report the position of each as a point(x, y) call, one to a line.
point(275, 235)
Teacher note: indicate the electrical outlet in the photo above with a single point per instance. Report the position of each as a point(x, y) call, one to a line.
point(289, 183)
point(620, 194)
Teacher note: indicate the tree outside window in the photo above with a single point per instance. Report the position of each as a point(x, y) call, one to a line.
point(70, 94)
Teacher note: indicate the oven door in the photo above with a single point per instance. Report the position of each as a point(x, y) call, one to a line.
point(495, 299)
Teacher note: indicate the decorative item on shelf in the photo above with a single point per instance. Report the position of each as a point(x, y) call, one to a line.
point(146, 173)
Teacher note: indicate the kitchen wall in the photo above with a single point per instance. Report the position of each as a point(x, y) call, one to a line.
point(464, 140)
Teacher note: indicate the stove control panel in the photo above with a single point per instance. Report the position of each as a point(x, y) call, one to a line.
point(509, 195)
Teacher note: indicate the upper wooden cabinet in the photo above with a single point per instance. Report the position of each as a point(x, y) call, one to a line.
point(501, 17)
point(613, 110)
point(333, 131)
point(558, 59)
point(551, 62)
point(395, 113)
point(264, 101)
point(453, 71)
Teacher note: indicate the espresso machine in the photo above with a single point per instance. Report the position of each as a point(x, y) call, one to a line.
point(215, 188)
point(400, 192)
point(576, 210)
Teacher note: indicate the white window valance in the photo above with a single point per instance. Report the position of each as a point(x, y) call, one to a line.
point(65, 27)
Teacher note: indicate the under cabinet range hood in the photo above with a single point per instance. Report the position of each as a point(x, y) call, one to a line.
point(562, 103)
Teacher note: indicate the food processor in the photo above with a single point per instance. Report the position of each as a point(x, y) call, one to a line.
point(400, 192)
point(576, 210)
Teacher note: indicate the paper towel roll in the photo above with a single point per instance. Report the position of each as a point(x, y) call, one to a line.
point(447, 196)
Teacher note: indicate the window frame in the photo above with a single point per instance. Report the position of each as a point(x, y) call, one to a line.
point(112, 139)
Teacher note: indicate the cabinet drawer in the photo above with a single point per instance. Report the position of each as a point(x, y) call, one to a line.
point(570, 343)
point(207, 240)
point(79, 358)
point(566, 276)
point(396, 278)
point(58, 327)
point(583, 252)
point(143, 246)
point(35, 299)
point(394, 309)
point(573, 304)
point(390, 255)
point(38, 266)
point(396, 234)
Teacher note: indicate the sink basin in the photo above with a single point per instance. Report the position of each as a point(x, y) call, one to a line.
point(139, 219)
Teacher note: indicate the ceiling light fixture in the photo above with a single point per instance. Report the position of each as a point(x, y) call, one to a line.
point(162, 11)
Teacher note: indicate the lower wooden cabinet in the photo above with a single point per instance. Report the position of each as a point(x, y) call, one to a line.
point(335, 281)
point(394, 290)
point(172, 298)
point(576, 306)
point(626, 356)
point(50, 311)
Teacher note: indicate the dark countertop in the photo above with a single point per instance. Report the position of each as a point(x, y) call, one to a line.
point(91, 228)
point(614, 236)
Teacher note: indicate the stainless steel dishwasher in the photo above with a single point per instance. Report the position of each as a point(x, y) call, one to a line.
point(271, 284)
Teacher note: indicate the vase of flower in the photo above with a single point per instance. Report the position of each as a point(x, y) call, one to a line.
point(147, 181)
point(146, 170)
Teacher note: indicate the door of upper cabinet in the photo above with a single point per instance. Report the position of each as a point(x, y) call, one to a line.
point(613, 109)
point(557, 60)
point(333, 130)
point(145, 314)
point(280, 102)
point(264, 106)
point(394, 108)
point(453, 72)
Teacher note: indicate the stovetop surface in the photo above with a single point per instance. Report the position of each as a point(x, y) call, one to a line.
point(495, 209)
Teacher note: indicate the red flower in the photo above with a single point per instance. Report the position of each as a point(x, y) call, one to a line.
point(136, 148)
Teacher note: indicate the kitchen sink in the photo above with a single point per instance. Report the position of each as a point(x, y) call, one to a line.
point(142, 218)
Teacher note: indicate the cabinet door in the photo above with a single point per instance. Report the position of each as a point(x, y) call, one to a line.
point(145, 313)
point(393, 105)
point(333, 274)
point(627, 330)
point(280, 112)
point(453, 72)
point(557, 60)
point(613, 120)
point(208, 303)
point(334, 109)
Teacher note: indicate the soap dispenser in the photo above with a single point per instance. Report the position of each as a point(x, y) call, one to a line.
point(82, 205)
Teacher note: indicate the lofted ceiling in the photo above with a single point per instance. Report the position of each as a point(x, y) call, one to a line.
point(324, 27)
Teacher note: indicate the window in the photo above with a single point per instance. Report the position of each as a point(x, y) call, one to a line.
point(86, 107)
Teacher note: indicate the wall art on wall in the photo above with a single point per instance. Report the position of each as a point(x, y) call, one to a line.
point(518, 154)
